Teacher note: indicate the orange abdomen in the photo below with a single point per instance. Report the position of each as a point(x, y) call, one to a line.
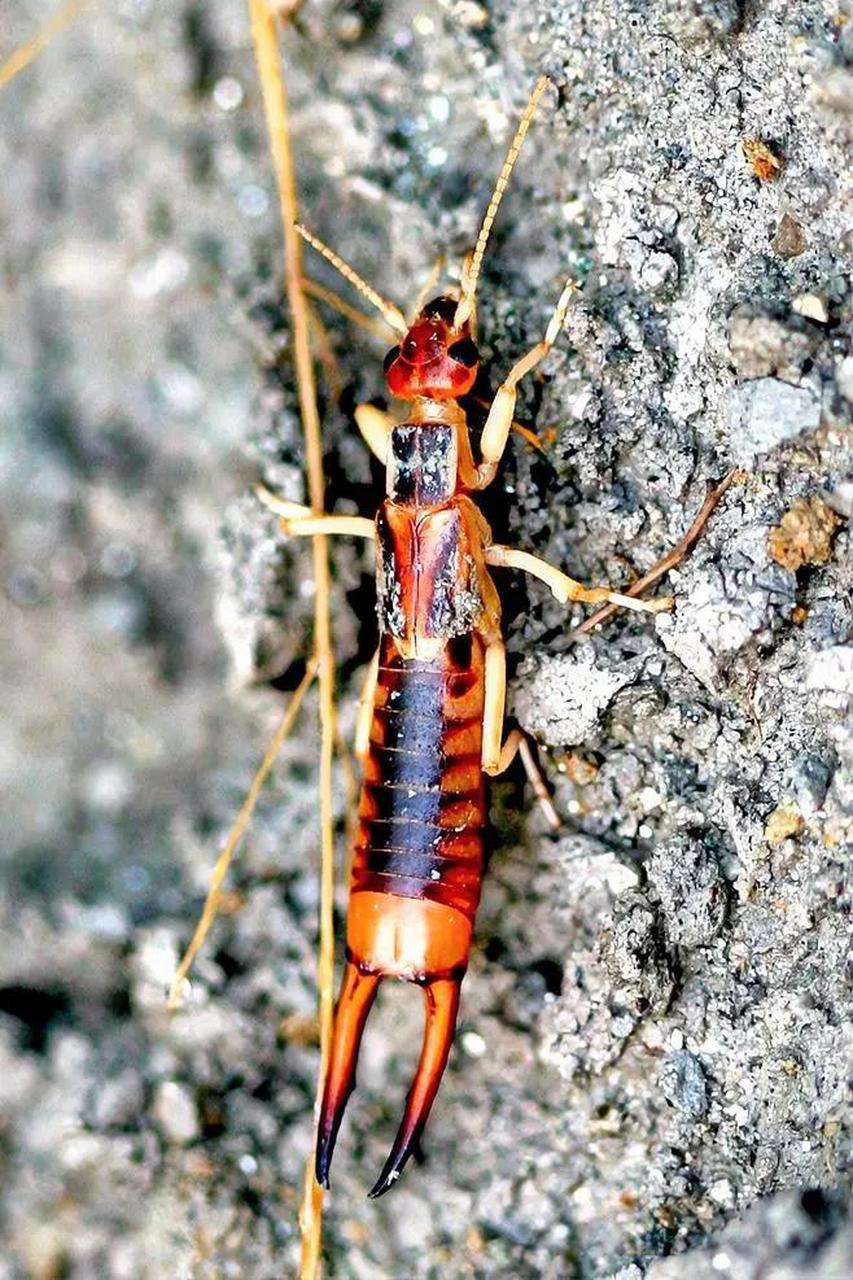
point(423, 806)
point(416, 871)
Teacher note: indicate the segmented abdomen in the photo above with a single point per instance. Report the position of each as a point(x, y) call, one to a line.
point(422, 808)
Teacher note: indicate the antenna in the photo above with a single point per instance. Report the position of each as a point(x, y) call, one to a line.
point(392, 315)
point(428, 286)
point(471, 270)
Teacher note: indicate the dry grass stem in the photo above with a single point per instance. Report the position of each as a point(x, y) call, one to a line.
point(674, 557)
point(223, 862)
point(23, 56)
point(268, 57)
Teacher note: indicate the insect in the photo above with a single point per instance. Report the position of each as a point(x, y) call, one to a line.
point(431, 721)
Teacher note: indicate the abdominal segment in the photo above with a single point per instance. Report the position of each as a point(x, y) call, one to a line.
point(416, 872)
point(422, 812)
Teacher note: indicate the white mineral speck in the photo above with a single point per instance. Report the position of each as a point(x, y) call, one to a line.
point(657, 269)
point(721, 1192)
point(439, 108)
point(812, 306)
point(649, 799)
point(253, 200)
point(473, 1044)
point(107, 786)
point(175, 1113)
point(163, 272)
point(228, 93)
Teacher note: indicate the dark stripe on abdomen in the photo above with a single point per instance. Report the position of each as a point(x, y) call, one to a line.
point(422, 808)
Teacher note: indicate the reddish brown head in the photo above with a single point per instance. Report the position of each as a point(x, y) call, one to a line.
point(434, 360)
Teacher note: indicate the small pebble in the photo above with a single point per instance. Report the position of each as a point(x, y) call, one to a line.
point(764, 413)
point(174, 1112)
point(721, 1193)
point(790, 238)
point(812, 306)
point(473, 1044)
point(228, 93)
point(804, 534)
point(783, 823)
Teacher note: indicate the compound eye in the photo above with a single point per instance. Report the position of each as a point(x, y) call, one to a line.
point(390, 358)
point(464, 352)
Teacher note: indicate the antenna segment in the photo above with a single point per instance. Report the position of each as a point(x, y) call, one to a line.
point(471, 271)
point(392, 315)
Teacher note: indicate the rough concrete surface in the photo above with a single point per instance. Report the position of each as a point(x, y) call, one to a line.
point(649, 1077)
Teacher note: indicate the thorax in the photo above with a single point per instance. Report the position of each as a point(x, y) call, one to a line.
point(423, 456)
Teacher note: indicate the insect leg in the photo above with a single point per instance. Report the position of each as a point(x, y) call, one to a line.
point(496, 757)
point(673, 557)
point(565, 588)
point(518, 743)
point(530, 436)
point(358, 992)
point(317, 290)
point(500, 419)
point(442, 1006)
point(300, 521)
point(365, 709)
point(376, 426)
point(306, 526)
point(494, 704)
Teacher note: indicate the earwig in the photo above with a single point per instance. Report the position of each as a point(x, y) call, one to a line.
point(432, 714)
point(431, 721)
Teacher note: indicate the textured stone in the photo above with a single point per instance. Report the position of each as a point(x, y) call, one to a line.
point(762, 345)
point(790, 239)
point(691, 891)
point(804, 534)
point(766, 413)
point(682, 1083)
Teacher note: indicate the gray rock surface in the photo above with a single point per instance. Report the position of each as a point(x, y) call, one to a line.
point(765, 413)
point(784, 1238)
point(655, 1029)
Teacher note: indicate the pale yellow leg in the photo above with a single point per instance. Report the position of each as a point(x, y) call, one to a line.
point(298, 520)
point(565, 588)
point(497, 758)
point(672, 558)
point(494, 703)
point(365, 709)
point(501, 414)
point(351, 526)
point(376, 426)
point(317, 290)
